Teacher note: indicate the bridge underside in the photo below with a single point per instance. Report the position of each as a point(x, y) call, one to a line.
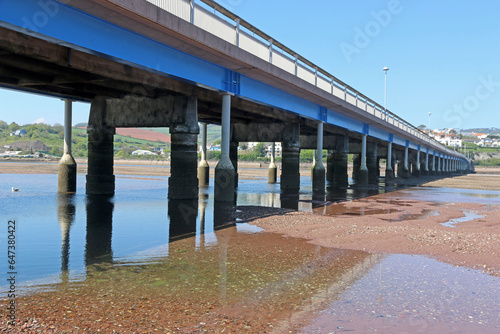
point(41, 66)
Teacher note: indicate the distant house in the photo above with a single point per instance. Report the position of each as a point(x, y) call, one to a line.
point(143, 152)
point(448, 139)
point(277, 150)
point(19, 133)
point(480, 135)
point(27, 145)
point(213, 148)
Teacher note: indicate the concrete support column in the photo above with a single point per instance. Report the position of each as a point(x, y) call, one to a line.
point(318, 175)
point(67, 165)
point(372, 163)
point(183, 181)
point(233, 156)
point(224, 171)
point(330, 167)
point(406, 165)
point(439, 166)
point(389, 171)
point(426, 167)
point(272, 171)
point(362, 175)
point(100, 178)
point(356, 164)
point(416, 166)
point(433, 170)
point(203, 167)
point(290, 171)
point(403, 166)
point(337, 164)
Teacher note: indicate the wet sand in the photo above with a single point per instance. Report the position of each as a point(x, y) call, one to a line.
point(123, 167)
point(402, 226)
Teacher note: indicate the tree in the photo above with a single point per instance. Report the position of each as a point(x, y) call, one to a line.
point(260, 150)
point(56, 151)
point(14, 126)
point(422, 127)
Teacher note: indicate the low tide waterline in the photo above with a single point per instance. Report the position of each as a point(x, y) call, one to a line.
point(137, 262)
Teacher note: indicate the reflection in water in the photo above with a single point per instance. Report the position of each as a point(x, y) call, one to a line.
point(99, 229)
point(290, 199)
point(468, 217)
point(66, 216)
point(242, 275)
point(182, 216)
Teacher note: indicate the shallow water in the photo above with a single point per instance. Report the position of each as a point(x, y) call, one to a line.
point(144, 242)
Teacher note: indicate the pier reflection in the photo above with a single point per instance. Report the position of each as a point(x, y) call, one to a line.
point(66, 210)
point(99, 229)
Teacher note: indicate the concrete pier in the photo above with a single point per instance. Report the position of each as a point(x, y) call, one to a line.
point(362, 174)
point(416, 166)
point(183, 181)
point(290, 171)
point(337, 163)
point(426, 169)
point(404, 166)
point(356, 164)
point(67, 165)
point(433, 165)
point(233, 156)
point(318, 172)
point(100, 178)
point(184, 129)
point(224, 171)
point(272, 171)
point(389, 170)
point(203, 167)
point(372, 163)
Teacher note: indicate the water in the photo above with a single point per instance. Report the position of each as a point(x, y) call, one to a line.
point(468, 216)
point(139, 242)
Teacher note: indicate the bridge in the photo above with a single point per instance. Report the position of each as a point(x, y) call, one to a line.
point(179, 63)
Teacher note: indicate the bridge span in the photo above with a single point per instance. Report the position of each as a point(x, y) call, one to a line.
point(178, 63)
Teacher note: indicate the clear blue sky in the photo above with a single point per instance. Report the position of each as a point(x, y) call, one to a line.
point(443, 56)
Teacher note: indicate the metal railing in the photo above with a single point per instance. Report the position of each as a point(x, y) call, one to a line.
point(212, 17)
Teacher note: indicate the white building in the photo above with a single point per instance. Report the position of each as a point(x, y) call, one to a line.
point(448, 139)
point(277, 150)
point(143, 152)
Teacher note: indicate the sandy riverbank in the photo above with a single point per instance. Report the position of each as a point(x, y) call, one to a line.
point(250, 170)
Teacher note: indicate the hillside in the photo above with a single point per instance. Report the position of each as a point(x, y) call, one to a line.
point(488, 131)
point(48, 140)
point(143, 134)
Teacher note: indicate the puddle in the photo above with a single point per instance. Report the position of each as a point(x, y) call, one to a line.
point(469, 215)
point(414, 294)
point(423, 215)
point(349, 210)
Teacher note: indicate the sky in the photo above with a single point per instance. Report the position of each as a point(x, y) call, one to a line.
point(443, 56)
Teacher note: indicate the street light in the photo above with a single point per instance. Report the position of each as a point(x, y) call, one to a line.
point(430, 123)
point(385, 69)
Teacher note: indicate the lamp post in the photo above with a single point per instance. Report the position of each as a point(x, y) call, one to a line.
point(430, 123)
point(385, 69)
